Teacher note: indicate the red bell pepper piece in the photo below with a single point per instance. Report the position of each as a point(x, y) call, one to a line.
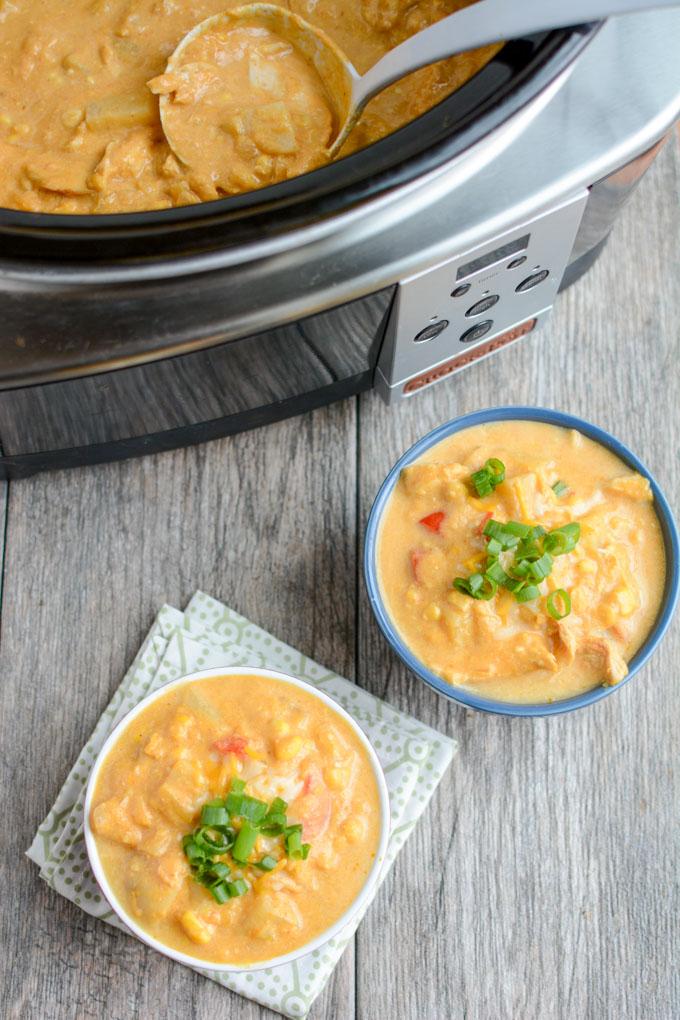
point(482, 524)
point(433, 521)
point(415, 556)
point(231, 745)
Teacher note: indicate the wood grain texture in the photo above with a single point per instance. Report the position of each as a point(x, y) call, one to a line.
point(91, 556)
point(543, 881)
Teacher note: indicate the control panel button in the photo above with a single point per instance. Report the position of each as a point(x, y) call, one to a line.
point(482, 306)
point(476, 332)
point(516, 262)
point(533, 280)
point(460, 291)
point(431, 331)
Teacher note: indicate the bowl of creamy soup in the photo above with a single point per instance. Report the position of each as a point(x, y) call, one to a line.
point(237, 819)
point(522, 561)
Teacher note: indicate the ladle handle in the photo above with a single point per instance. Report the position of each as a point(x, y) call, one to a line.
point(485, 22)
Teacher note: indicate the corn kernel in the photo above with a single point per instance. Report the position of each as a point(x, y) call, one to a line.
point(281, 727)
point(195, 928)
point(5, 120)
point(627, 601)
point(608, 614)
point(72, 117)
point(354, 829)
point(587, 567)
point(288, 747)
point(337, 778)
point(432, 612)
point(412, 594)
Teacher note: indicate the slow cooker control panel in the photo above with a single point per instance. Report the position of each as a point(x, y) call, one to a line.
point(475, 303)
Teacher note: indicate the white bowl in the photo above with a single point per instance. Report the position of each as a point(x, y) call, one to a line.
point(355, 908)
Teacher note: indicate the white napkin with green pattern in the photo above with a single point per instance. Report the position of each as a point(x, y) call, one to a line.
point(208, 634)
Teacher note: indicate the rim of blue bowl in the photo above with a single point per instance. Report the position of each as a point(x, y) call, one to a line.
point(521, 413)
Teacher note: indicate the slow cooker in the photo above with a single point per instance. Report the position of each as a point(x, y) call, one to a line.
point(396, 267)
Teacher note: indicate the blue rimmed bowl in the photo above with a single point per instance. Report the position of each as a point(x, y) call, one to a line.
point(459, 694)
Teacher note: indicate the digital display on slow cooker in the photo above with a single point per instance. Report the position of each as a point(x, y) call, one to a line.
point(491, 257)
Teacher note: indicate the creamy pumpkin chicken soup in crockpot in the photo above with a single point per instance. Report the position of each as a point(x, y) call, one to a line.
point(236, 818)
point(522, 561)
point(80, 130)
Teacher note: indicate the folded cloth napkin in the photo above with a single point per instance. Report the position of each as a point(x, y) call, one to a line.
point(207, 635)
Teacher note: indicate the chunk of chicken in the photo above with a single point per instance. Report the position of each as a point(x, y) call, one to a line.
point(612, 662)
point(565, 638)
point(441, 480)
point(112, 820)
point(532, 652)
point(61, 172)
point(634, 486)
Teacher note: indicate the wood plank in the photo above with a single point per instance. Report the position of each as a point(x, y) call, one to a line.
point(265, 521)
point(544, 882)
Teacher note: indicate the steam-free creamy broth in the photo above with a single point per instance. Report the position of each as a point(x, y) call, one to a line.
point(79, 124)
point(299, 800)
point(605, 569)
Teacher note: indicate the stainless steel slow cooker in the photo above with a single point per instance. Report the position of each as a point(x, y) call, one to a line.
point(396, 267)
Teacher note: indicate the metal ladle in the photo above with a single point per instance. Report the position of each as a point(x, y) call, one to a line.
point(482, 23)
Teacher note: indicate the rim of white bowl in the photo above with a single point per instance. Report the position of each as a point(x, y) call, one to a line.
point(354, 909)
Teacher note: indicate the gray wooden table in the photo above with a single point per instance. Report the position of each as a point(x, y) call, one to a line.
point(543, 882)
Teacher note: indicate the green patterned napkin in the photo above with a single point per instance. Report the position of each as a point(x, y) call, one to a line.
point(208, 634)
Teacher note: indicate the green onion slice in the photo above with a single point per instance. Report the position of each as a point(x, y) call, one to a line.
point(237, 888)
point(268, 863)
point(496, 469)
point(559, 488)
point(562, 540)
point(541, 568)
point(219, 892)
point(482, 482)
point(528, 593)
point(245, 841)
point(552, 607)
point(252, 809)
point(215, 814)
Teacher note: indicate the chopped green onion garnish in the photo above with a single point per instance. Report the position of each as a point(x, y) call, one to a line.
point(482, 482)
point(245, 841)
point(496, 469)
point(541, 567)
point(220, 870)
point(496, 530)
point(219, 891)
point(268, 863)
point(487, 478)
point(517, 528)
point(252, 809)
point(479, 586)
point(237, 888)
point(216, 836)
point(212, 814)
point(559, 488)
point(527, 593)
point(495, 571)
point(493, 547)
point(562, 540)
point(294, 844)
point(551, 604)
